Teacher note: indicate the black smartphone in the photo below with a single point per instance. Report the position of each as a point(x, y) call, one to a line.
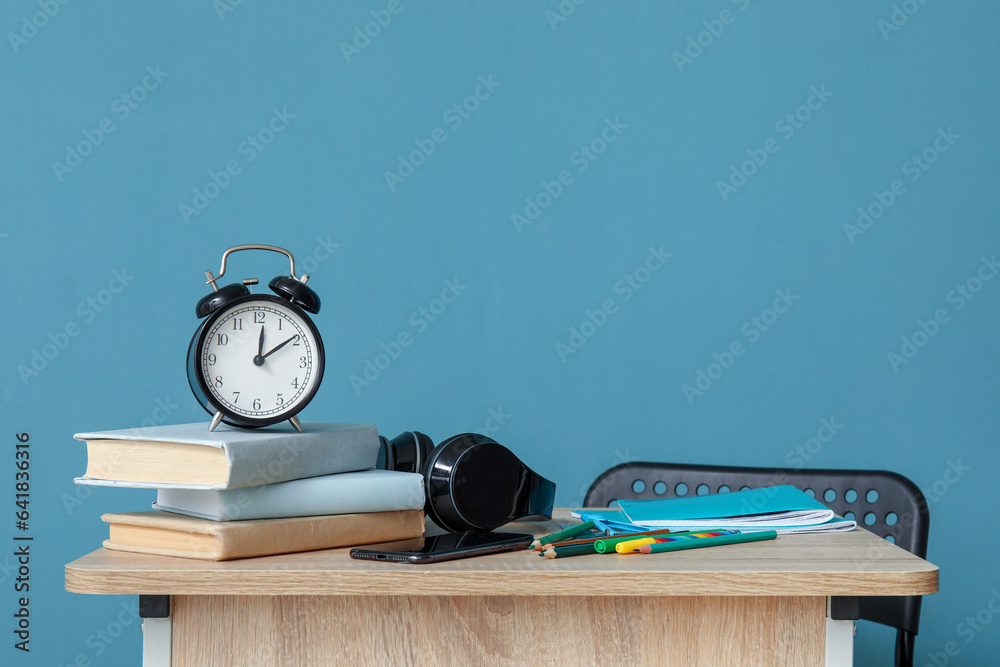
point(438, 548)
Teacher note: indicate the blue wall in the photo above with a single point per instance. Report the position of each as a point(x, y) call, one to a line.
point(617, 197)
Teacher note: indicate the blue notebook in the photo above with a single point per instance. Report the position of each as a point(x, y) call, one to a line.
point(782, 508)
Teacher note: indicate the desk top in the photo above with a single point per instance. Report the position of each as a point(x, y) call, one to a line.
point(854, 563)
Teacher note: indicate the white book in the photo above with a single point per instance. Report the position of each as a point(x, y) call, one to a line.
point(343, 493)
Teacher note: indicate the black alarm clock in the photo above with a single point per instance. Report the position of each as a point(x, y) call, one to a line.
point(257, 359)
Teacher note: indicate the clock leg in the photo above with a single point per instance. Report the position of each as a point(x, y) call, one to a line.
point(215, 421)
point(296, 423)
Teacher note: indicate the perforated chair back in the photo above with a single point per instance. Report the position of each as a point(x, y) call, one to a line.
point(885, 503)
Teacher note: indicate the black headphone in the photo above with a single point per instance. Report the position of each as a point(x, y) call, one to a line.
point(471, 481)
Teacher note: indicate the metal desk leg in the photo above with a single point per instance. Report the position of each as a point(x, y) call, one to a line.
point(156, 630)
point(840, 631)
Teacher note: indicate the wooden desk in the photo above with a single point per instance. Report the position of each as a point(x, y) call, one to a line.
point(760, 603)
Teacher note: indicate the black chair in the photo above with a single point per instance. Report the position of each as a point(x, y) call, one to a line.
point(885, 503)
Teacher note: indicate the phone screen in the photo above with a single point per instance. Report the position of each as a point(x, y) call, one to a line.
point(438, 548)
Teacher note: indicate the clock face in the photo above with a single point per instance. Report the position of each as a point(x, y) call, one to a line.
point(260, 360)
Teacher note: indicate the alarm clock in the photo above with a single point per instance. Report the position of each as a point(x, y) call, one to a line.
point(256, 359)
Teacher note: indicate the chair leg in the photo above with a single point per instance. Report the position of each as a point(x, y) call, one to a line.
point(904, 648)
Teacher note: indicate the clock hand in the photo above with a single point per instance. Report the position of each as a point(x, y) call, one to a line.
point(259, 359)
point(281, 346)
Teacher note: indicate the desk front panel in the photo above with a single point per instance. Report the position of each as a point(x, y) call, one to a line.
point(302, 631)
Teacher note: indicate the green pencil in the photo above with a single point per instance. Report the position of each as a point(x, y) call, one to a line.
point(569, 550)
point(698, 542)
point(562, 534)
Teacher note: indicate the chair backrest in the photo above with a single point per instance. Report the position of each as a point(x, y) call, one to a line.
point(883, 502)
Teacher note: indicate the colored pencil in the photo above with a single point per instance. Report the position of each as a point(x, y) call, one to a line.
point(571, 550)
point(623, 536)
point(698, 542)
point(569, 543)
point(607, 544)
point(562, 534)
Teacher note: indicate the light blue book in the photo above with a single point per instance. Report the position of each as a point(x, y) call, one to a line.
point(782, 508)
point(342, 493)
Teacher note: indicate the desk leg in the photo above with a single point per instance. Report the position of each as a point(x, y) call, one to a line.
point(156, 630)
point(498, 630)
point(156, 642)
point(839, 643)
point(841, 612)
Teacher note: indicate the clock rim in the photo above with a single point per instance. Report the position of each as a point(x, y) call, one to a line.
point(199, 386)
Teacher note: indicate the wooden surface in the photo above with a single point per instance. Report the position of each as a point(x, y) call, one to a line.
point(855, 563)
point(442, 631)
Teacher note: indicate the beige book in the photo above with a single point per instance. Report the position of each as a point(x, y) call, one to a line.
point(166, 534)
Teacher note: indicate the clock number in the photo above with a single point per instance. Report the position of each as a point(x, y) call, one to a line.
point(218, 380)
point(279, 400)
point(302, 362)
point(295, 383)
point(222, 339)
point(279, 323)
point(258, 318)
point(238, 324)
point(295, 341)
point(211, 360)
point(256, 404)
point(236, 398)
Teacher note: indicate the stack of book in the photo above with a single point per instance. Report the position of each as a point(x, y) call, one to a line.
point(234, 493)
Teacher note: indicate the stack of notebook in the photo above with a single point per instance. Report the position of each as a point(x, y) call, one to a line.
point(784, 509)
point(234, 493)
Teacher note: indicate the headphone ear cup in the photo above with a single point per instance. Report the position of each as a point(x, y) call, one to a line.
point(475, 483)
point(460, 478)
point(386, 457)
point(424, 448)
point(407, 452)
